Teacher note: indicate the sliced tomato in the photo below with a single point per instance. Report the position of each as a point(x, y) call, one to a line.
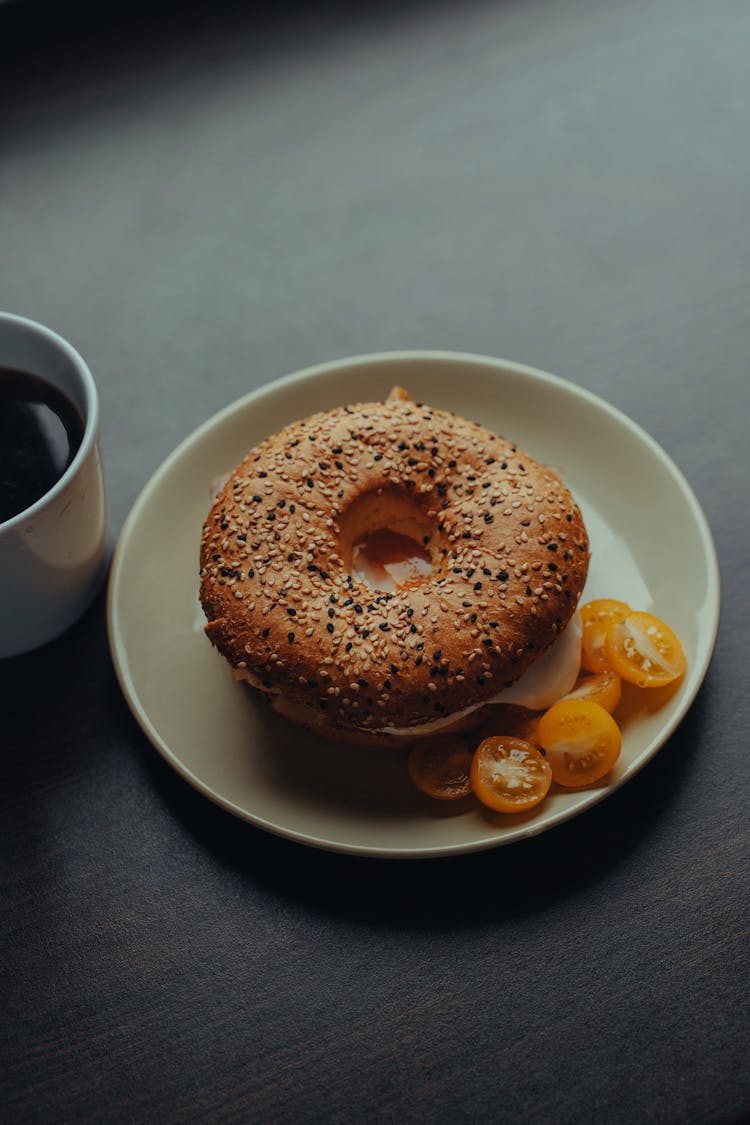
point(582, 741)
point(596, 618)
point(440, 766)
point(604, 688)
point(509, 774)
point(509, 719)
point(645, 651)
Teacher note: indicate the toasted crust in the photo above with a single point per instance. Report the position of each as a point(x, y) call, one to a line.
point(508, 544)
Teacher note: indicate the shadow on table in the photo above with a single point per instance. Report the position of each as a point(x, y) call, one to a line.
point(491, 885)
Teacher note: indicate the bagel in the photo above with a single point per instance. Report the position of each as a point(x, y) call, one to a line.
point(500, 549)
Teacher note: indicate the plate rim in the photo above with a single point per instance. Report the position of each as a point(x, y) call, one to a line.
point(496, 365)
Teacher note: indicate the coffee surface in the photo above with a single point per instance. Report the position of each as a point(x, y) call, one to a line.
point(41, 430)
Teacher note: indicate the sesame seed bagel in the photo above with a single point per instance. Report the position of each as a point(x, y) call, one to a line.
point(505, 539)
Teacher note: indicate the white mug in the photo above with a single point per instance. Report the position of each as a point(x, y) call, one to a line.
point(53, 553)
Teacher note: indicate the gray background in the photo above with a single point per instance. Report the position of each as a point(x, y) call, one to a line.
point(202, 200)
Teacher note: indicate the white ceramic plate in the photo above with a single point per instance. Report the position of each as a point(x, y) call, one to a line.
point(651, 547)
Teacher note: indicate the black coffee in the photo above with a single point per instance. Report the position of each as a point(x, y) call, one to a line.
point(40, 433)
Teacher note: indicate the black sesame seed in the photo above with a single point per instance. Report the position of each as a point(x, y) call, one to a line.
point(348, 646)
point(262, 473)
point(324, 575)
point(394, 669)
point(387, 685)
point(503, 575)
point(292, 612)
point(552, 546)
point(329, 627)
point(412, 628)
point(281, 504)
point(290, 637)
point(265, 632)
point(385, 627)
point(271, 516)
point(477, 585)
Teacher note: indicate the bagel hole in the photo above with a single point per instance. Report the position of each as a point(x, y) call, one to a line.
point(388, 542)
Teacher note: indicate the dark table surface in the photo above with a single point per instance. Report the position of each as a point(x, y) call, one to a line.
point(203, 198)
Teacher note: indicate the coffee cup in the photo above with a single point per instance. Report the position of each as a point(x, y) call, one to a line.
point(53, 529)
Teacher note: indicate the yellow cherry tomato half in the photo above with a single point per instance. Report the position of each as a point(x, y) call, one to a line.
point(582, 741)
point(645, 651)
point(509, 775)
point(604, 688)
point(440, 766)
point(596, 618)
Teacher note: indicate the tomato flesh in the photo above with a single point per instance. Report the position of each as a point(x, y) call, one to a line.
point(596, 618)
point(509, 775)
point(582, 741)
point(645, 651)
point(604, 688)
point(440, 766)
